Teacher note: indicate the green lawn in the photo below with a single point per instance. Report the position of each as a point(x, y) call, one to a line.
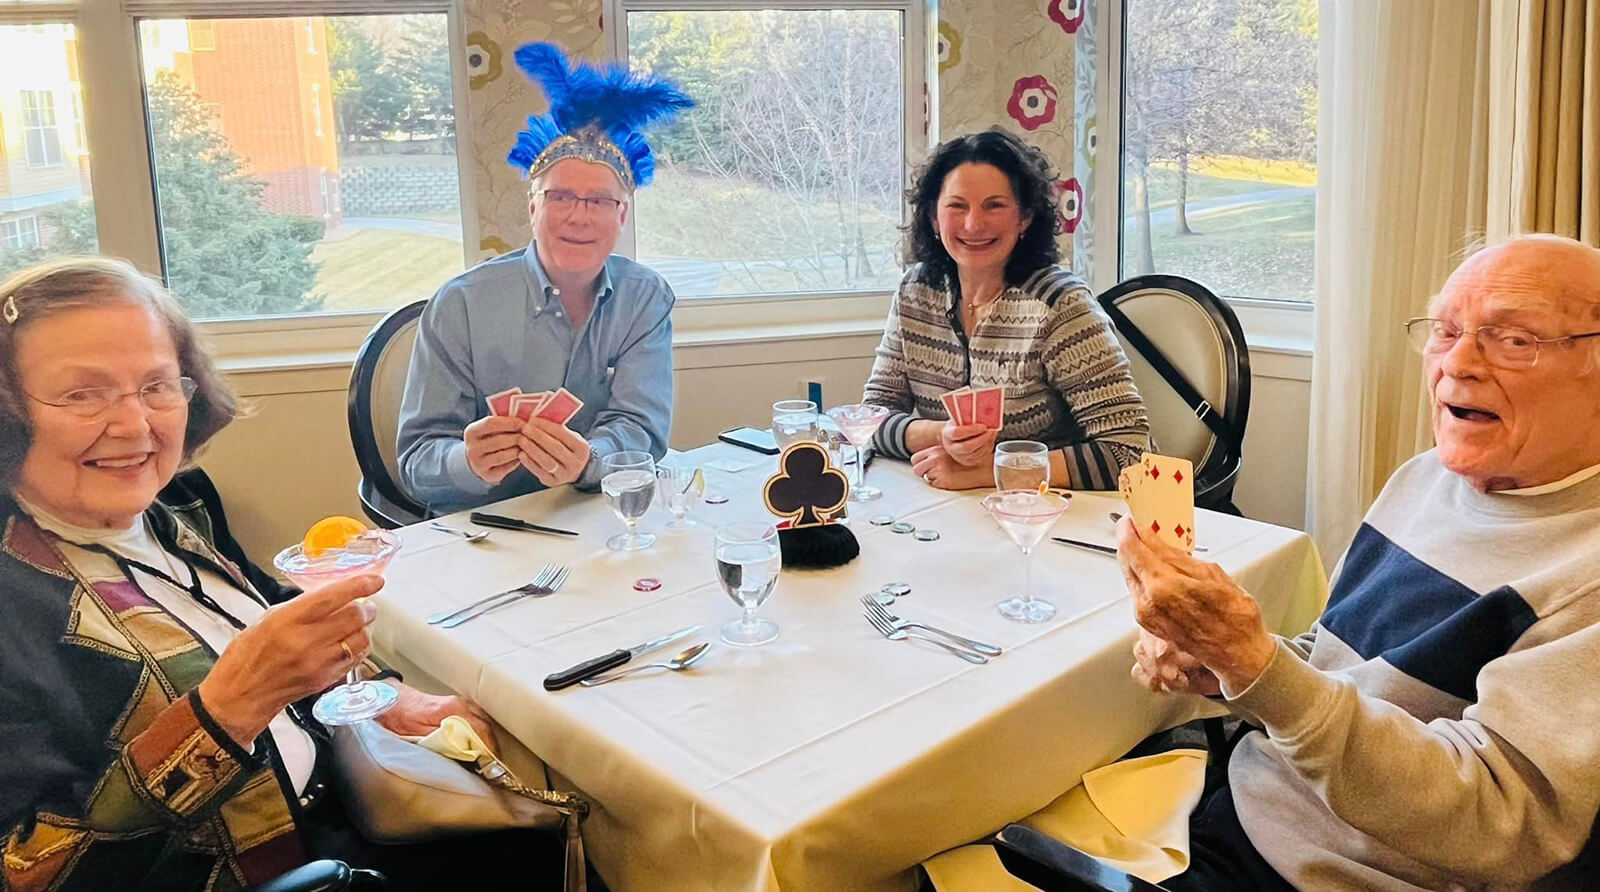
point(377, 269)
point(1263, 250)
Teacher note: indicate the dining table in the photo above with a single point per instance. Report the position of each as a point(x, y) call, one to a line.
point(831, 758)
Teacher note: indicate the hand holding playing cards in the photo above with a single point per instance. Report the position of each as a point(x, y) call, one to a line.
point(1164, 668)
point(553, 453)
point(938, 469)
point(492, 447)
point(1196, 607)
point(971, 445)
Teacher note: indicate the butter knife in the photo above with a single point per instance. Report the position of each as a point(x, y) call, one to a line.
point(511, 523)
point(590, 668)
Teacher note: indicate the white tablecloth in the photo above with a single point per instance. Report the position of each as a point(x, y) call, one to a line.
point(831, 758)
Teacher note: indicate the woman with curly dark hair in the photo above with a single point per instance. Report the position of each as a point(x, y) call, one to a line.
point(984, 303)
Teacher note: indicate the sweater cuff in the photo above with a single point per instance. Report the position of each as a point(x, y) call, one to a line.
point(890, 438)
point(1288, 698)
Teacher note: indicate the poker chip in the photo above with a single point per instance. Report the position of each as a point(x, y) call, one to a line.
point(897, 589)
point(926, 535)
point(881, 520)
point(716, 498)
point(903, 527)
point(647, 584)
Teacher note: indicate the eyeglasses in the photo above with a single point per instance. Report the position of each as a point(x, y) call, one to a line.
point(566, 202)
point(1504, 346)
point(164, 395)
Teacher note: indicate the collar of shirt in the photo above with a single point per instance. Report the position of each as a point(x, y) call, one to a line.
point(1557, 486)
point(546, 291)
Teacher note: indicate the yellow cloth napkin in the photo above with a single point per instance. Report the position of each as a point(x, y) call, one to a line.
point(1132, 815)
point(455, 739)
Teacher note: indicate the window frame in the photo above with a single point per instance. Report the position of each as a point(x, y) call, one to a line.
point(120, 165)
point(44, 130)
point(6, 232)
point(1282, 326)
point(848, 309)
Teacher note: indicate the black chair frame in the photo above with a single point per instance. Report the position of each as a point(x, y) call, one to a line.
point(1215, 480)
point(379, 490)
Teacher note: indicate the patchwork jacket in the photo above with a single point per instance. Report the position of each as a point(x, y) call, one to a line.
point(112, 774)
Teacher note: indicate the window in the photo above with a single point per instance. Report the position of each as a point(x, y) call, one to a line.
point(222, 142)
point(39, 128)
point(202, 36)
point(1218, 149)
point(77, 119)
point(787, 176)
point(23, 232)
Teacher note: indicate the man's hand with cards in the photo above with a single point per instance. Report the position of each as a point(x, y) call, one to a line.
point(558, 407)
point(1159, 491)
point(968, 407)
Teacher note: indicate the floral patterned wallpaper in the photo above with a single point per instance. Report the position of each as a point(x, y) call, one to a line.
point(1024, 64)
point(500, 99)
point(1014, 63)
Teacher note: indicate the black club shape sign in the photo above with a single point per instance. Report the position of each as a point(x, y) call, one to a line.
point(806, 490)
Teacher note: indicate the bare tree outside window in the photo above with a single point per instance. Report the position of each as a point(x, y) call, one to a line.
point(787, 177)
point(1219, 143)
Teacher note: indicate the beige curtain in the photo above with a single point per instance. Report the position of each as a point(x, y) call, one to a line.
point(1402, 174)
point(1545, 118)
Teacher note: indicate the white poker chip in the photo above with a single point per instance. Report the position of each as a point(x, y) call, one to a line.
point(927, 535)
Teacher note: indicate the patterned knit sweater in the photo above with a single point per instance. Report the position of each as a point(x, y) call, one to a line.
point(1046, 341)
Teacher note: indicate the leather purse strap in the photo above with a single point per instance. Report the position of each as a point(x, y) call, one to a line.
point(1175, 379)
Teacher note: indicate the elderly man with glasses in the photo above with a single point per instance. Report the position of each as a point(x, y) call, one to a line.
point(562, 312)
point(1439, 727)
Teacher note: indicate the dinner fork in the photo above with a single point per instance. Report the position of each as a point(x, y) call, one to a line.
point(515, 595)
point(539, 581)
point(894, 634)
point(881, 612)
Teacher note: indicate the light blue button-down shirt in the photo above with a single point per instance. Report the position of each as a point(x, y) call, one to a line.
point(501, 325)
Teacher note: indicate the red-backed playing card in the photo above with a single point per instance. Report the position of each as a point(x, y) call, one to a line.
point(500, 403)
point(527, 405)
point(560, 408)
point(989, 407)
point(964, 406)
point(949, 401)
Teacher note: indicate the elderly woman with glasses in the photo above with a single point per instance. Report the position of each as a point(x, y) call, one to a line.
point(985, 304)
point(1439, 726)
point(154, 684)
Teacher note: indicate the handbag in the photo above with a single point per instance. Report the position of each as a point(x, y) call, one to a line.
point(396, 792)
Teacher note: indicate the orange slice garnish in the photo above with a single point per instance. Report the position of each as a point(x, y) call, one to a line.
point(331, 532)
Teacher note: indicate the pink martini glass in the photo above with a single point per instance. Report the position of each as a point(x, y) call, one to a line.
point(858, 422)
point(355, 700)
point(1027, 516)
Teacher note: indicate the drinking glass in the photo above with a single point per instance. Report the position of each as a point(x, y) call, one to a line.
point(748, 563)
point(355, 700)
point(629, 484)
point(1027, 516)
point(679, 494)
point(858, 423)
point(794, 421)
point(1021, 464)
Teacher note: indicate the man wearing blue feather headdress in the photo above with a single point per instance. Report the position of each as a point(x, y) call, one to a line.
point(562, 312)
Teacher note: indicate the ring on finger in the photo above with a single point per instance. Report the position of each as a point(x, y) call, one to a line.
point(349, 655)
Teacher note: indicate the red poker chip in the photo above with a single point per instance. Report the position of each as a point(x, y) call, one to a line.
point(647, 584)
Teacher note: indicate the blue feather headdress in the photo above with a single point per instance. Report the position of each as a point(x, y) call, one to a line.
point(595, 114)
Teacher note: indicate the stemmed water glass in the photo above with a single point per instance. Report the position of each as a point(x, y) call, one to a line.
point(1021, 464)
point(679, 493)
point(858, 422)
point(748, 563)
point(794, 421)
point(355, 700)
point(1027, 516)
point(629, 485)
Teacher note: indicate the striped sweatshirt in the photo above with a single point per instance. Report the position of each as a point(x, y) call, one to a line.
point(1439, 727)
point(1046, 341)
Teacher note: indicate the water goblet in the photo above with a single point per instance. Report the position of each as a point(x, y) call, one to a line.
point(1021, 464)
point(748, 563)
point(858, 423)
point(1027, 516)
point(355, 700)
point(794, 421)
point(679, 491)
point(629, 485)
